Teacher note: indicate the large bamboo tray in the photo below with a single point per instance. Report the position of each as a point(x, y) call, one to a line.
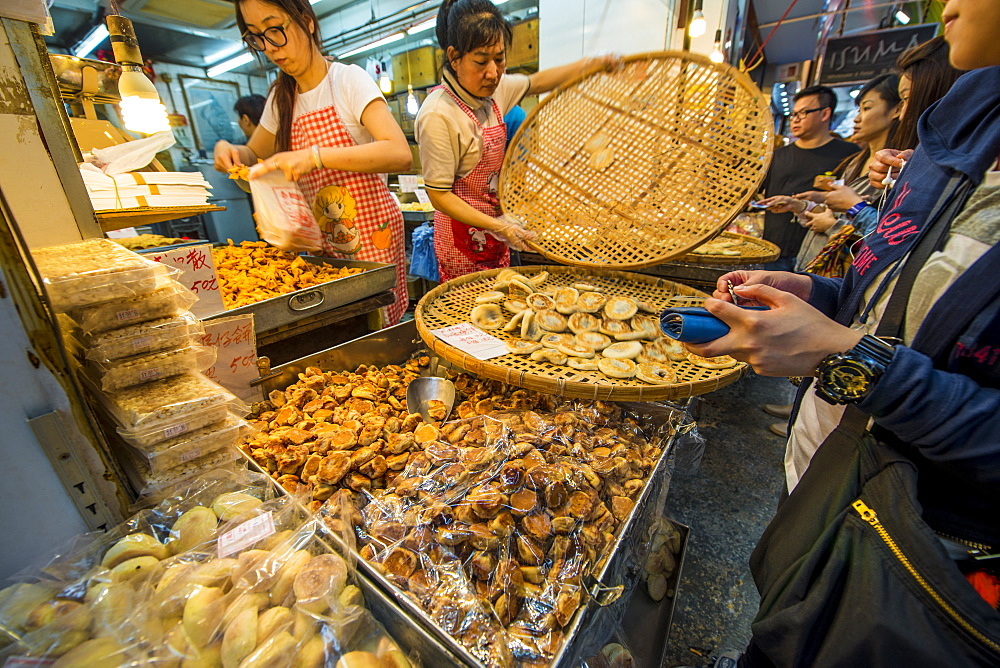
point(752, 251)
point(451, 303)
point(691, 143)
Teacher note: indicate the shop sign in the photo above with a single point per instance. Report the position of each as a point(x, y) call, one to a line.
point(197, 275)
point(858, 58)
point(236, 344)
point(471, 340)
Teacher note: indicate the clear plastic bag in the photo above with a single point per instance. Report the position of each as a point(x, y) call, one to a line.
point(284, 218)
point(146, 481)
point(165, 403)
point(167, 301)
point(92, 271)
point(499, 524)
point(173, 432)
point(143, 338)
point(192, 446)
point(131, 371)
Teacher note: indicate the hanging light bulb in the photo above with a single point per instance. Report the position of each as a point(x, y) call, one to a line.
point(385, 83)
point(716, 56)
point(412, 106)
point(142, 110)
point(698, 24)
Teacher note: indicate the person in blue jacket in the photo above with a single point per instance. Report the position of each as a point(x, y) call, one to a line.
point(933, 395)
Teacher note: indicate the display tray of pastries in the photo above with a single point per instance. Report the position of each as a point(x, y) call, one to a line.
point(730, 248)
point(584, 333)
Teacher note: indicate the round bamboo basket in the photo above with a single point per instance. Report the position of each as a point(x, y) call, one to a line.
point(752, 251)
point(451, 303)
point(631, 168)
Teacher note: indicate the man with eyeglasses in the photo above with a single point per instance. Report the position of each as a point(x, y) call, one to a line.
point(793, 167)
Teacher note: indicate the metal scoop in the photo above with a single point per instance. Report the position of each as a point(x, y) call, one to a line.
point(421, 391)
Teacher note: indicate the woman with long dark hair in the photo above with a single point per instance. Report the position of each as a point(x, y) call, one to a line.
point(327, 126)
point(462, 135)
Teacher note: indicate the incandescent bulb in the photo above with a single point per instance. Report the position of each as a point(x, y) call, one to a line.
point(698, 25)
point(412, 106)
point(716, 55)
point(385, 83)
point(141, 108)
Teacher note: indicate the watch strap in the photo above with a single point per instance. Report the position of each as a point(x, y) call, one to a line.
point(857, 208)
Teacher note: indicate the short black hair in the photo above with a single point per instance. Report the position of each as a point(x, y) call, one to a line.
point(252, 106)
point(827, 98)
point(469, 24)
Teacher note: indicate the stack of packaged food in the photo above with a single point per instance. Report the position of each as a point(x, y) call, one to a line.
point(126, 319)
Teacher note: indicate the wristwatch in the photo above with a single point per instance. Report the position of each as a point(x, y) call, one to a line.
point(849, 377)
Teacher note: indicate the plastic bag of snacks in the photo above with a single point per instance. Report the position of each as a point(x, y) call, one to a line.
point(284, 218)
point(142, 338)
point(167, 301)
point(129, 371)
point(167, 402)
point(92, 271)
point(496, 526)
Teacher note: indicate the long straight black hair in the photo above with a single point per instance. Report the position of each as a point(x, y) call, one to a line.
point(931, 76)
point(469, 24)
point(283, 88)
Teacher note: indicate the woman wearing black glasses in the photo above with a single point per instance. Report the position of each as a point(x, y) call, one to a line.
point(326, 126)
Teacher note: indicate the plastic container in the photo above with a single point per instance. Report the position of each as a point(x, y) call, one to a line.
point(130, 371)
point(165, 403)
point(95, 270)
point(176, 452)
point(168, 301)
point(143, 338)
point(160, 435)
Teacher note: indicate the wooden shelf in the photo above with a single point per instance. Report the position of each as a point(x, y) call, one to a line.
point(116, 219)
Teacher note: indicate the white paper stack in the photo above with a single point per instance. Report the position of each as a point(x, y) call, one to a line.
point(142, 189)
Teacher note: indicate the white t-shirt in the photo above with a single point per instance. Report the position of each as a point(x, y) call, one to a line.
point(346, 87)
point(451, 143)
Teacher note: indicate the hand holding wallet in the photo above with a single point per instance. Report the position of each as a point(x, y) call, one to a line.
point(692, 324)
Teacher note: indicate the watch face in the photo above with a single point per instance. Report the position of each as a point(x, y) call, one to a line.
point(847, 380)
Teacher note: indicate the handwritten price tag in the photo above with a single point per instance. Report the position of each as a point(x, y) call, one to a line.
point(470, 339)
point(246, 534)
point(422, 196)
point(197, 275)
point(408, 183)
point(233, 338)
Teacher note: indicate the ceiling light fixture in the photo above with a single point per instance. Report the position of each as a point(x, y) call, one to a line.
point(902, 17)
point(90, 42)
point(142, 110)
point(698, 24)
point(395, 37)
point(420, 27)
point(385, 83)
point(226, 65)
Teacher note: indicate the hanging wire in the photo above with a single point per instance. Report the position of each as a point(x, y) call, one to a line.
point(751, 65)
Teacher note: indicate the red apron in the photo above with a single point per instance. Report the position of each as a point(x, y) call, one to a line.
point(464, 249)
point(360, 218)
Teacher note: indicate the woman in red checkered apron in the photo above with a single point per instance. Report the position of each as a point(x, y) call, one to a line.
point(462, 135)
point(326, 126)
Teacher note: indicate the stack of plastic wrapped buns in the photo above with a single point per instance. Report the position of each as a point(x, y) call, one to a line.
point(127, 321)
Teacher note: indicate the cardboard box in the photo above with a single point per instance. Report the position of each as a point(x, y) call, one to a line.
point(419, 64)
point(524, 47)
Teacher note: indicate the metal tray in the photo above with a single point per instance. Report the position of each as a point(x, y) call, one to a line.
point(285, 309)
point(610, 588)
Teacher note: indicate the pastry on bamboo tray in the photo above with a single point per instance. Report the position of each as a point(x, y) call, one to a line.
point(730, 248)
point(572, 332)
point(634, 167)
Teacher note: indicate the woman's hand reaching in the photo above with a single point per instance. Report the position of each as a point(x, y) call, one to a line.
point(293, 164)
point(512, 232)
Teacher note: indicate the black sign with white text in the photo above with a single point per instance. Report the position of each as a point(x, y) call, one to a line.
point(858, 58)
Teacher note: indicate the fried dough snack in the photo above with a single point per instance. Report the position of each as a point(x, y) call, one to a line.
point(255, 271)
point(239, 172)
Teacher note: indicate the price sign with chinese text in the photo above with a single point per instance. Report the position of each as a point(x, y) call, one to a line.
point(197, 275)
point(236, 365)
point(470, 339)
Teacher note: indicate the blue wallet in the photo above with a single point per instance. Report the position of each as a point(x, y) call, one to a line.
point(691, 324)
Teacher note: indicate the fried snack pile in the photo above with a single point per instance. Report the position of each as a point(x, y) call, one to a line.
point(239, 172)
point(491, 521)
point(254, 271)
